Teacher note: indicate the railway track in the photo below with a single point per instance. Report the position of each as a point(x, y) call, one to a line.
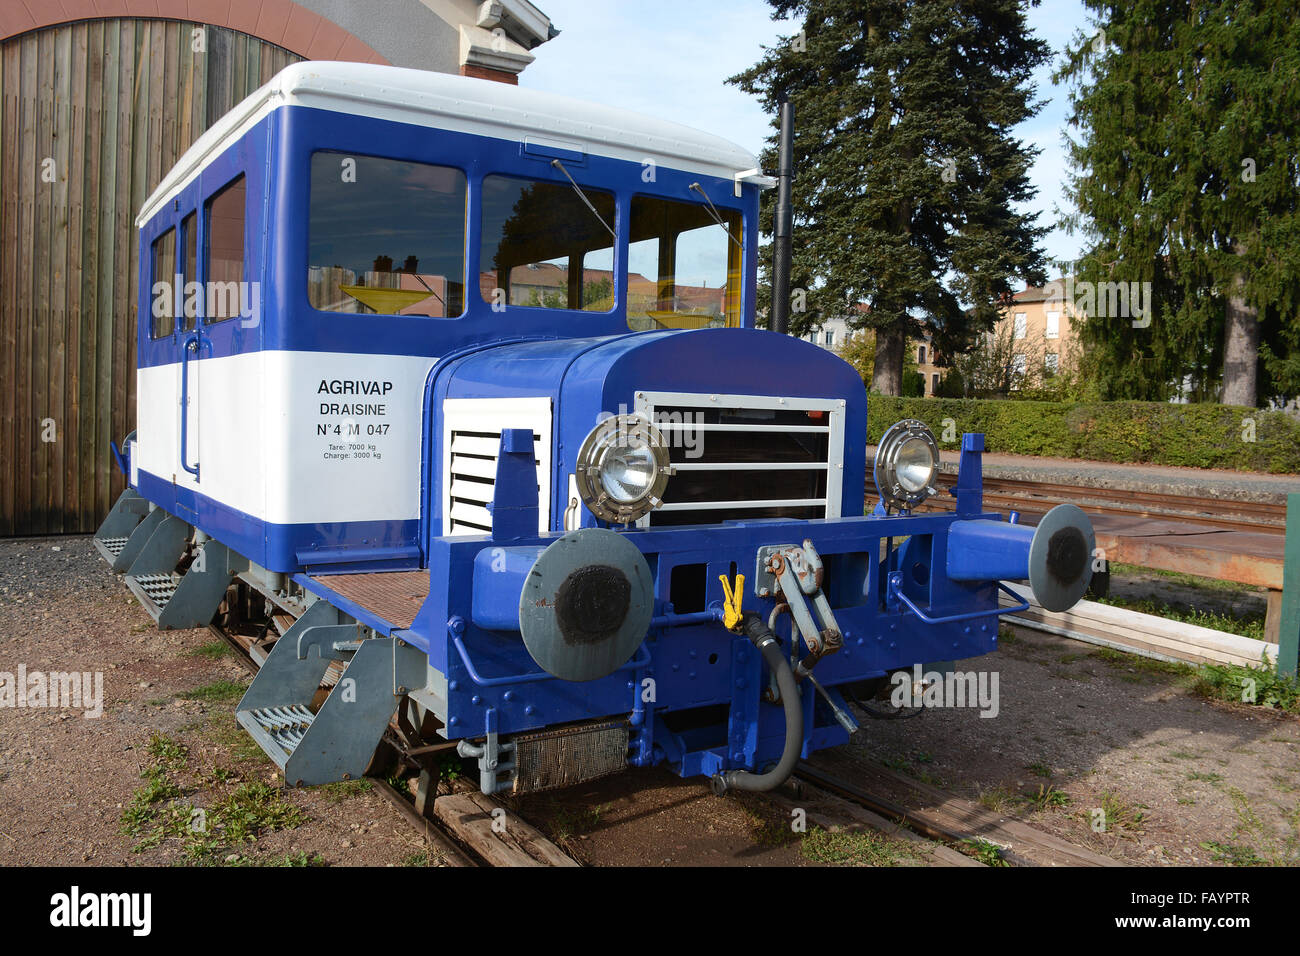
point(460, 833)
point(1001, 494)
point(934, 815)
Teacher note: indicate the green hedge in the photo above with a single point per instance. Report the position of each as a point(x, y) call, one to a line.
point(1193, 436)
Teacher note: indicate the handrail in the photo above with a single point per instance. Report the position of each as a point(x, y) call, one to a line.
point(190, 341)
point(969, 615)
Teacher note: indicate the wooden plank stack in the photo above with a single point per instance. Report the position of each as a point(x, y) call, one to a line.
point(1137, 633)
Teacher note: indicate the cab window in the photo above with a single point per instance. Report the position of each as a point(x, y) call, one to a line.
point(225, 251)
point(385, 236)
point(162, 289)
point(542, 247)
point(683, 265)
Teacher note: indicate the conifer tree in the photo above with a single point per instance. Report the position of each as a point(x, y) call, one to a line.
point(1186, 115)
point(908, 180)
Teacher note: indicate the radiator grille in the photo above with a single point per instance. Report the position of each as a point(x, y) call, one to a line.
point(748, 456)
point(560, 758)
point(472, 479)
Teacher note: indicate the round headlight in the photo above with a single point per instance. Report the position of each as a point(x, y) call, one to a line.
point(622, 469)
point(907, 460)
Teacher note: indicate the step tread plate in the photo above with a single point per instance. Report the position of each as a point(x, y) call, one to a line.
point(277, 730)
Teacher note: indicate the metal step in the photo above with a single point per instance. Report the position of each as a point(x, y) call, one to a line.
point(279, 730)
point(154, 590)
point(112, 547)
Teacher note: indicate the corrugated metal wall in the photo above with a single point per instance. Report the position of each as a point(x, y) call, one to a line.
point(92, 115)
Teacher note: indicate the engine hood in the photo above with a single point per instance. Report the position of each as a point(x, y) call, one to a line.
point(586, 380)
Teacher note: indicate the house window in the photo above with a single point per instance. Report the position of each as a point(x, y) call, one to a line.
point(1051, 361)
point(224, 251)
point(1053, 325)
point(386, 236)
point(830, 338)
point(920, 355)
point(163, 288)
point(934, 384)
point(1018, 363)
point(1021, 325)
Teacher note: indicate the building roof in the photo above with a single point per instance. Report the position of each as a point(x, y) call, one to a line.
point(463, 104)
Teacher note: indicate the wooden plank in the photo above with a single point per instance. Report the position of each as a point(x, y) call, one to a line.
point(9, 123)
point(960, 818)
point(834, 814)
point(91, 157)
point(75, 148)
point(511, 842)
point(60, 94)
point(41, 264)
point(110, 182)
point(29, 176)
point(1150, 634)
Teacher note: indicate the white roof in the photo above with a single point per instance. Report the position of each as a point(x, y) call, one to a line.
point(443, 101)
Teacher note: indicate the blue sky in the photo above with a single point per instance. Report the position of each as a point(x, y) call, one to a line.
point(671, 59)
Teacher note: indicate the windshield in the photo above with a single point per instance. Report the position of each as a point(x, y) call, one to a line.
point(683, 266)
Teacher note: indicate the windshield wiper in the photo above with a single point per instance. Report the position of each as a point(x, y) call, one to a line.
point(715, 215)
point(583, 196)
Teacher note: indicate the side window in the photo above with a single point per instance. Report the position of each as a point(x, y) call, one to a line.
point(162, 288)
point(683, 266)
point(385, 236)
point(189, 269)
point(225, 251)
point(542, 247)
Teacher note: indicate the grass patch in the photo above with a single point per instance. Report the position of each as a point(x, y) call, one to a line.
point(853, 848)
point(1140, 664)
point(218, 692)
point(1040, 769)
point(1120, 570)
point(344, 789)
point(212, 650)
point(1249, 625)
point(1257, 684)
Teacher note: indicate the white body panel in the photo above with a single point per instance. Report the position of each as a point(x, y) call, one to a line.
point(461, 104)
point(490, 416)
point(260, 447)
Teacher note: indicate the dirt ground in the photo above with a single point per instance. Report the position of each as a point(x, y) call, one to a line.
point(1182, 780)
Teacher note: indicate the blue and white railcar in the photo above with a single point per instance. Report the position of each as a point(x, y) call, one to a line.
point(464, 382)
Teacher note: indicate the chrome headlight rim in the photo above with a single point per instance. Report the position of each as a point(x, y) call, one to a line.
point(616, 432)
point(902, 434)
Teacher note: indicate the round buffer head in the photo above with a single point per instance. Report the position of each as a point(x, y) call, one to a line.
point(1060, 557)
point(586, 604)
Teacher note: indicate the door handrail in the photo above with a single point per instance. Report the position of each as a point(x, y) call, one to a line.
point(190, 341)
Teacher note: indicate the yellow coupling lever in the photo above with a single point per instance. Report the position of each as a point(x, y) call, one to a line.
point(733, 597)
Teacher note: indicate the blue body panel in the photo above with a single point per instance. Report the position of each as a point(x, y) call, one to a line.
point(274, 156)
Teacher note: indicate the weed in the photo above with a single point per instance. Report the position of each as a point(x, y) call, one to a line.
point(990, 854)
point(218, 692)
point(853, 848)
